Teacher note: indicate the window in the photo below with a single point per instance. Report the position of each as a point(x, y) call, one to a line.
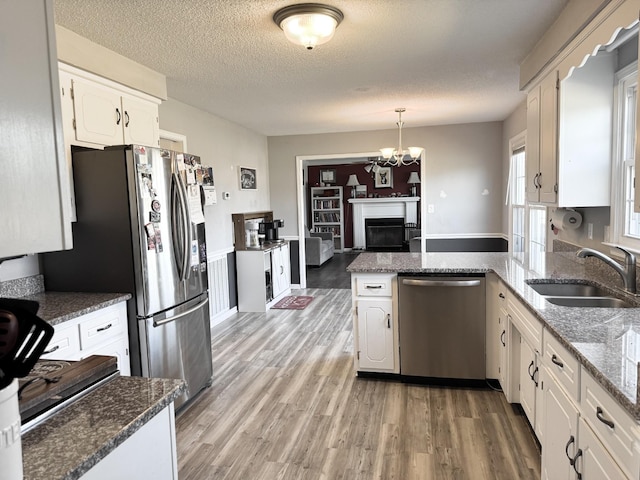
point(518, 179)
point(527, 222)
point(625, 222)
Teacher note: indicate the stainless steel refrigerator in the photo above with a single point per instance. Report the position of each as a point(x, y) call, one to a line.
point(140, 229)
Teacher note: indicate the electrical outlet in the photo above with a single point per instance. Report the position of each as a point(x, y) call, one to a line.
point(431, 208)
point(590, 231)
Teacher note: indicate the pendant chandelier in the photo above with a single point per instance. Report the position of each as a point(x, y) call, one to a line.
point(398, 156)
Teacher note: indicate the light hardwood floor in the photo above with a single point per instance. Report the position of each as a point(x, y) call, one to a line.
point(285, 404)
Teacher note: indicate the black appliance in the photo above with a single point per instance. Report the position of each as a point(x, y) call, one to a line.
point(270, 230)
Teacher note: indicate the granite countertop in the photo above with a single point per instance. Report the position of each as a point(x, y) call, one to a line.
point(603, 339)
point(73, 440)
point(59, 307)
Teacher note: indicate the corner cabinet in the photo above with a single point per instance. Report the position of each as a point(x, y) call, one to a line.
point(327, 213)
point(375, 322)
point(264, 277)
point(34, 182)
point(102, 332)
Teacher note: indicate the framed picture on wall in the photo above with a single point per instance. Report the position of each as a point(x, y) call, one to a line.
point(384, 177)
point(248, 180)
point(328, 176)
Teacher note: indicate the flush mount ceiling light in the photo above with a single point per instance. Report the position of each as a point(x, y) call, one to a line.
point(398, 156)
point(308, 24)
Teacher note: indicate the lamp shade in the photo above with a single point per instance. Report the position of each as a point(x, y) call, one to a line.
point(308, 24)
point(353, 180)
point(413, 178)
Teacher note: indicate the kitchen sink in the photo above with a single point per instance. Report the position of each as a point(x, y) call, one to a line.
point(567, 301)
point(576, 293)
point(568, 289)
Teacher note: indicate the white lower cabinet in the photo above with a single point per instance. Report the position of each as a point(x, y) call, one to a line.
point(280, 269)
point(529, 383)
point(102, 332)
point(375, 323)
point(561, 431)
point(375, 334)
point(593, 461)
point(135, 458)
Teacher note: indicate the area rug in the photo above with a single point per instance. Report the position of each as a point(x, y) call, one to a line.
point(293, 302)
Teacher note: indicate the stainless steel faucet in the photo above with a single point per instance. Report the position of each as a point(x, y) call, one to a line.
point(626, 271)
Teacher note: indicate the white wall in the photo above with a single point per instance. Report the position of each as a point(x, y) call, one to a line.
point(224, 146)
point(462, 161)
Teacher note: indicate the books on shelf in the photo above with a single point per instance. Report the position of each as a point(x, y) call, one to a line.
point(326, 213)
point(326, 217)
point(326, 204)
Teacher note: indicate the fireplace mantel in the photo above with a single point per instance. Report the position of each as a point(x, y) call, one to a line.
point(387, 207)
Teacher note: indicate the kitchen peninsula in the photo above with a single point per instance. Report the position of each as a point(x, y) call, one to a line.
point(583, 364)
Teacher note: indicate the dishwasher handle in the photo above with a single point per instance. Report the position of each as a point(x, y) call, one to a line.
point(440, 283)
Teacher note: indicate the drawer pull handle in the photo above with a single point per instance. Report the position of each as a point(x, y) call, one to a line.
point(373, 287)
point(572, 439)
point(600, 416)
point(47, 352)
point(501, 295)
point(388, 320)
point(575, 462)
point(555, 360)
point(106, 327)
point(502, 338)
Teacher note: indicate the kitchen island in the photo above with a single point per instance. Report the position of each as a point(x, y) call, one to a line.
point(128, 423)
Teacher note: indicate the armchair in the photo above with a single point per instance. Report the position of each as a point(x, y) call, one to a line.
point(319, 247)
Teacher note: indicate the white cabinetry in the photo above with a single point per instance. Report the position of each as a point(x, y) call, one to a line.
point(135, 459)
point(263, 277)
point(496, 328)
point(106, 113)
point(593, 461)
point(542, 134)
point(34, 181)
point(327, 213)
point(375, 322)
point(103, 332)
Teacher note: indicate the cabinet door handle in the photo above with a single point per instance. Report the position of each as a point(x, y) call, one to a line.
point(529, 369)
point(47, 352)
point(502, 338)
point(606, 421)
point(106, 327)
point(388, 320)
point(533, 377)
point(501, 295)
point(575, 462)
point(539, 182)
point(281, 269)
point(126, 118)
point(535, 180)
point(555, 360)
point(118, 116)
point(572, 439)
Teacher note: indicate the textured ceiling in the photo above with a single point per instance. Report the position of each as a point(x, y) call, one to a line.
point(445, 61)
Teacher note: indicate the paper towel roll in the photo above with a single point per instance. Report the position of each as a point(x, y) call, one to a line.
point(564, 219)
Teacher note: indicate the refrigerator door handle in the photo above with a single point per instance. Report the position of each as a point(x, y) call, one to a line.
point(182, 314)
point(180, 240)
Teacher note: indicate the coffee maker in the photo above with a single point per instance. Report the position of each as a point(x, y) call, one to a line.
point(270, 230)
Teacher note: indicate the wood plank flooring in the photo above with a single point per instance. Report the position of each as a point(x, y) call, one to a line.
point(332, 273)
point(285, 404)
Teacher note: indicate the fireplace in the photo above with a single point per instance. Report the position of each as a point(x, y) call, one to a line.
point(384, 233)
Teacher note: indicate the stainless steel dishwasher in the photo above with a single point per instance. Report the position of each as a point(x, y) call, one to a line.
point(442, 326)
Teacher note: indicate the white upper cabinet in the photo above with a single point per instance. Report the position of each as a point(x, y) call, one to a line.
point(106, 113)
point(36, 212)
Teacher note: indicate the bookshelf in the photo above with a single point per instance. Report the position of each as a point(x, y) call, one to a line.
point(327, 213)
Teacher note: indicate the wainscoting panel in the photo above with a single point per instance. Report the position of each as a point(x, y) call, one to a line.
point(218, 285)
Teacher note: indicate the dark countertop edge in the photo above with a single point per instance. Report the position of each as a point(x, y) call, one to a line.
point(89, 302)
point(625, 402)
point(125, 433)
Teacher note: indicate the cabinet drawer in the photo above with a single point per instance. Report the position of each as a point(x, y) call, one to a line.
point(524, 321)
point(65, 343)
point(374, 285)
point(118, 348)
point(621, 436)
point(102, 326)
point(564, 366)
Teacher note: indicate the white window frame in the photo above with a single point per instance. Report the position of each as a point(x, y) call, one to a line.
point(623, 78)
point(516, 143)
